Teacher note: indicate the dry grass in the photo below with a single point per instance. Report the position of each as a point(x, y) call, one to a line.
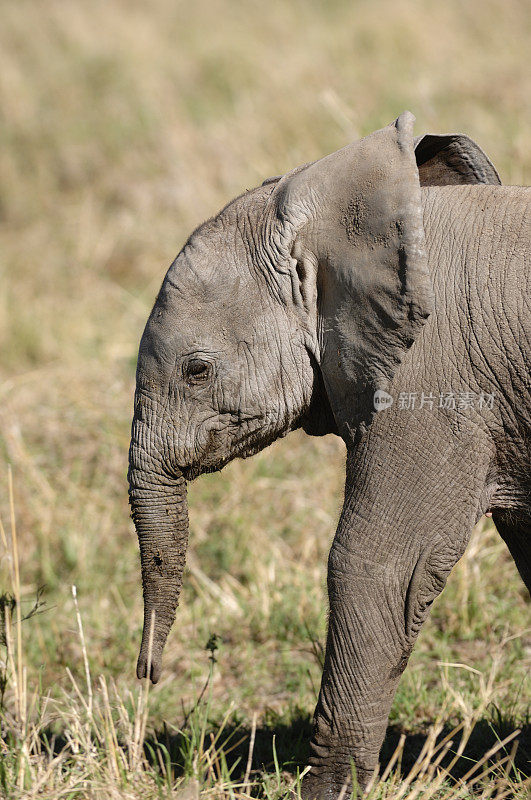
point(124, 124)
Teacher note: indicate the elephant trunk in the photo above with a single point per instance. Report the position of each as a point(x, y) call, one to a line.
point(160, 513)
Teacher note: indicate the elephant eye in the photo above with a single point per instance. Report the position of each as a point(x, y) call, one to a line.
point(196, 371)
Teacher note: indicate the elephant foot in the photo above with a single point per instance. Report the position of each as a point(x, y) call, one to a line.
point(318, 788)
point(329, 787)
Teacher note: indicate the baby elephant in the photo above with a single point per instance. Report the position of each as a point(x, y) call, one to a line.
point(380, 294)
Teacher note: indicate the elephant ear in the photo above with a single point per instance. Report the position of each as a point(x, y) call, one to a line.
point(348, 230)
point(452, 159)
point(272, 179)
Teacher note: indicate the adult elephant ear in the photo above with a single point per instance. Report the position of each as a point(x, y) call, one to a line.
point(348, 231)
point(451, 159)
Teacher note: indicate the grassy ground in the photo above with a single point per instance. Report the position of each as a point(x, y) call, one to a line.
point(124, 124)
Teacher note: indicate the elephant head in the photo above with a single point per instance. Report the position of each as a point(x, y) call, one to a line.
point(289, 308)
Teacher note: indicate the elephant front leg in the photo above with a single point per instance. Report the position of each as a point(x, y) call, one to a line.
point(391, 556)
point(366, 653)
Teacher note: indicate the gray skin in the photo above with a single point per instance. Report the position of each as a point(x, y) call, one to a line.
point(393, 264)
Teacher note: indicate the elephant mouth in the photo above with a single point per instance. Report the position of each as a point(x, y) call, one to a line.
point(193, 471)
point(248, 445)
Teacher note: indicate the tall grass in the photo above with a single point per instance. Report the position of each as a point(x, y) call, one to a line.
point(125, 124)
point(103, 748)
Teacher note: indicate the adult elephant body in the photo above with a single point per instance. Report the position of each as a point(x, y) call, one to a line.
point(391, 275)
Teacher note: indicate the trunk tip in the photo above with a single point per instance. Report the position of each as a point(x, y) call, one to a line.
point(145, 668)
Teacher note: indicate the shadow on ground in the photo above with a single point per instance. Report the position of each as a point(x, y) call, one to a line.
point(290, 742)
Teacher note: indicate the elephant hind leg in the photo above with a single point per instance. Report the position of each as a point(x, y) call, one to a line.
point(516, 533)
